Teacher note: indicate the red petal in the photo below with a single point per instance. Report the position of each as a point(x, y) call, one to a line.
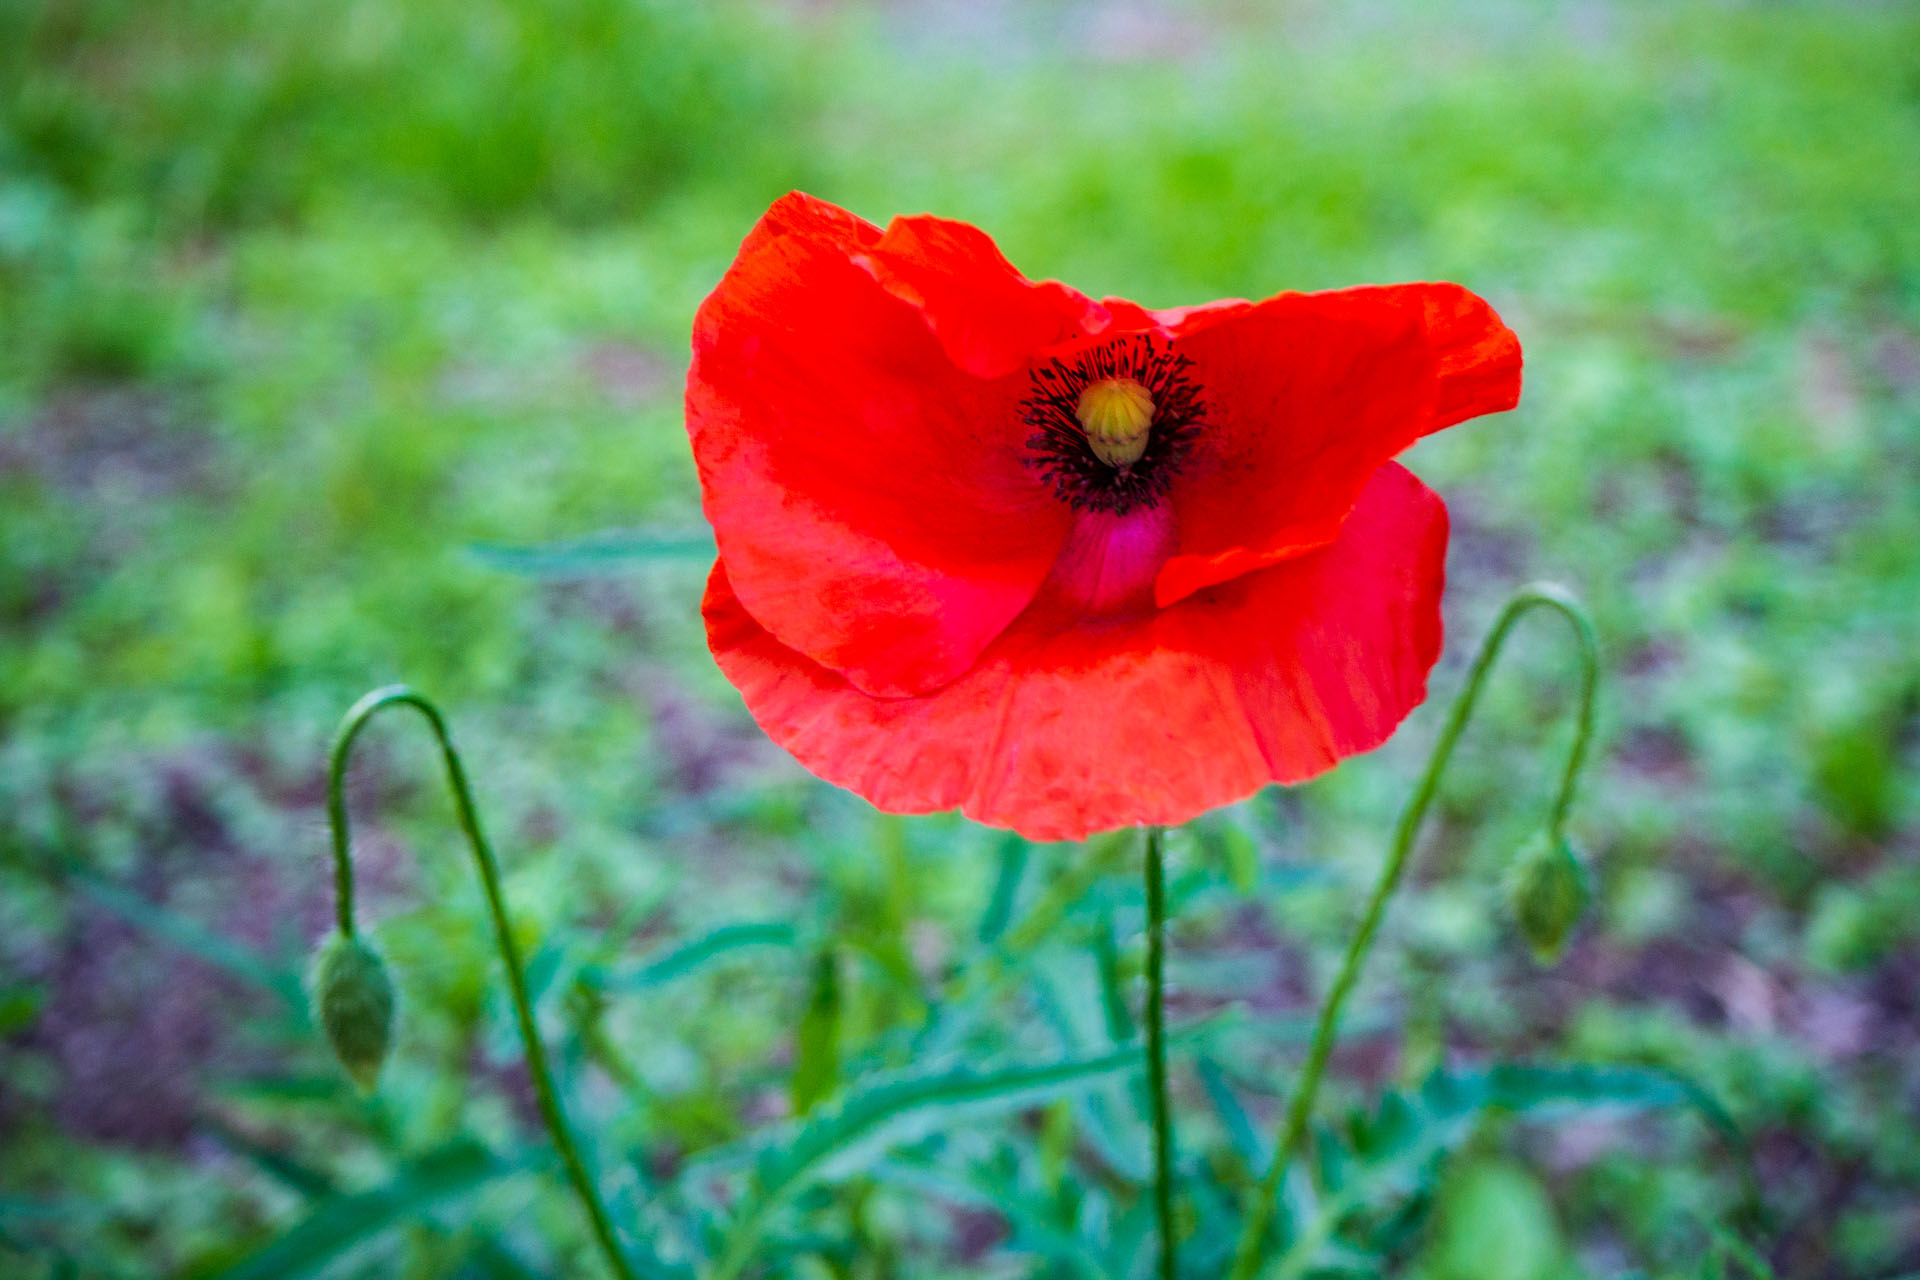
point(1184, 320)
point(1306, 395)
point(799, 214)
point(1476, 356)
point(989, 317)
point(1130, 317)
point(1058, 733)
point(871, 500)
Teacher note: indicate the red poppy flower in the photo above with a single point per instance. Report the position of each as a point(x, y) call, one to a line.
point(1068, 565)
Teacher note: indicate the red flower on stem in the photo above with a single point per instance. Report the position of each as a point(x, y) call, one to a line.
point(1068, 565)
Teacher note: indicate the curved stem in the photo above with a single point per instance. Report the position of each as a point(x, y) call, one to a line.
point(1293, 1127)
point(489, 869)
point(1157, 1044)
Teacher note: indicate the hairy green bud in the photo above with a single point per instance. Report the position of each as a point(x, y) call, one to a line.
point(1548, 892)
point(353, 1001)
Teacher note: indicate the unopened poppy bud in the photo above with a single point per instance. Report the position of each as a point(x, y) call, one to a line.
point(1549, 893)
point(1117, 414)
point(353, 1000)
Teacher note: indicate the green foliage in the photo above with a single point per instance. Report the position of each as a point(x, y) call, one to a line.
point(188, 937)
point(256, 112)
point(339, 1224)
point(715, 944)
point(1856, 773)
point(1377, 1180)
point(1495, 1223)
point(888, 1111)
point(1854, 926)
point(816, 1066)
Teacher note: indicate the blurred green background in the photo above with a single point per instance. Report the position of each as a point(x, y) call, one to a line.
point(303, 307)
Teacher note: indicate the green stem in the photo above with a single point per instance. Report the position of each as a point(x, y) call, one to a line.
point(1300, 1109)
point(489, 868)
point(1157, 1044)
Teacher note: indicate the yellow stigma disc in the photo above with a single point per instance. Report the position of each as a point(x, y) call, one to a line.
point(1116, 414)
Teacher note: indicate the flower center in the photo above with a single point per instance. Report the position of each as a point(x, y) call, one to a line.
point(1117, 415)
point(1112, 422)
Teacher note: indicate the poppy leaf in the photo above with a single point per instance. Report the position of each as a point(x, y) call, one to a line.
point(886, 1111)
point(341, 1223)
point(1028, 1231)
point(693, 954)
point(1395, 1150)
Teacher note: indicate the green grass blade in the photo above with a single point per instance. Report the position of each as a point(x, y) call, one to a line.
point(816, 1066)
point(1399, 1146)
point(1113, 997)
point(1233, 1116)
point(887, 1111)
point(289, 1171)
point(695, 953)
point(345, 1222)
point(1527, 1086)
point(194, 939)
point(1006, 888)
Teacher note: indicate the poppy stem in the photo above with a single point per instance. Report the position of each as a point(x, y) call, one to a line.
point(1156, 872)
point(1299, 1111)
point(489, 869)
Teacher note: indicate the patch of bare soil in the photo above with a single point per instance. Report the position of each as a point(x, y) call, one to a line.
point(112, 442)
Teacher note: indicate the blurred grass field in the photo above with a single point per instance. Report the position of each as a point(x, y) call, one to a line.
point(301, 306)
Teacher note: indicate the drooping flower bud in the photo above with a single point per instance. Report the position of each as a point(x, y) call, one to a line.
point(1548, 892)
point(353, 1001)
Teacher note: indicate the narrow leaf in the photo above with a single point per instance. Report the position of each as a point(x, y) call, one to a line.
point(816, 1058)
point(601, 553)
point(695, 953)
point(344, 1222)
point(288, 1170)
point(1523, 1086)
point(888, 1111)
point(1400, 1144)
point(190, 936)
point(1006, 888)
point(1113, 998)
point(1233, 1116)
